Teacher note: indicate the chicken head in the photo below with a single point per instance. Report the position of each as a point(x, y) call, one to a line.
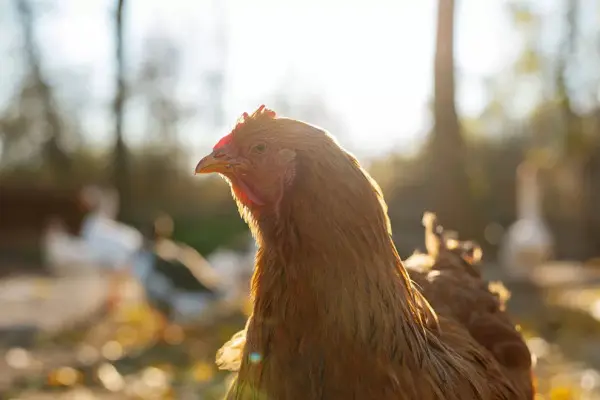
point(257, 164)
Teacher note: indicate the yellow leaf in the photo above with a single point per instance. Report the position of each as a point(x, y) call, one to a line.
point(65, 376)
point(203, 371)
point(562, 393)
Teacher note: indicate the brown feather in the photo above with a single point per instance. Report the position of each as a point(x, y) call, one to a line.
point(337, 315)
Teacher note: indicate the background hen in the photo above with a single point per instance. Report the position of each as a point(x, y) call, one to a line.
point(450, 278)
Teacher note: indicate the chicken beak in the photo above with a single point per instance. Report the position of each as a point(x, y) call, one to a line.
point(214, 162)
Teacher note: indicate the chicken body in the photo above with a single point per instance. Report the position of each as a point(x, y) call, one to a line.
point(472, 323)
point(336, 314)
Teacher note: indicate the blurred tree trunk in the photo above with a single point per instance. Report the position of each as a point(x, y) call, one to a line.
point(121, 160)
point(451, 193)
point(594, 178)
point(593, 228)
point(576, 148)
point(54, 155)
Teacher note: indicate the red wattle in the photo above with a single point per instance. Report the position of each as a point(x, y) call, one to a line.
point(246, 194)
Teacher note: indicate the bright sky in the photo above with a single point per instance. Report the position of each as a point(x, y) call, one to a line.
point(371, 60)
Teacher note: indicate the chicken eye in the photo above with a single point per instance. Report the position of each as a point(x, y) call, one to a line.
point(259, 148)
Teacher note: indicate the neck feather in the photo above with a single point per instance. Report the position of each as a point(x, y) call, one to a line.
point(329, 287)
point(328, 258)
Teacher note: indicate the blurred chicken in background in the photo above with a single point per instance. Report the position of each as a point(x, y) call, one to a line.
point(528, 242)
point(173, 277)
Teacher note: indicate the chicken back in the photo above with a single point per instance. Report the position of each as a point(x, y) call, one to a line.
point(450, 278)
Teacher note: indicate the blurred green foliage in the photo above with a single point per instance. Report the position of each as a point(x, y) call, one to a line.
point(208, 232)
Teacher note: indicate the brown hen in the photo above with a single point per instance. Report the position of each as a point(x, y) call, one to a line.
point(336, 314)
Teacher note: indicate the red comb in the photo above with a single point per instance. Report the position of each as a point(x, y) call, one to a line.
point(225, 140)
point(260, 112)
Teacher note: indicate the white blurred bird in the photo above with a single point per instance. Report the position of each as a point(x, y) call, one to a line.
point(176, 279)
point(528, 242)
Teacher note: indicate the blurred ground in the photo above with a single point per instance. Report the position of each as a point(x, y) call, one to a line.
point(560, 335)
point(130, 352)
point(126, 351)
